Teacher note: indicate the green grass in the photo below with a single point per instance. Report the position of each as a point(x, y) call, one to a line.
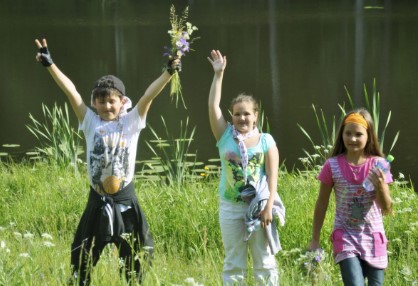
point(41, 205)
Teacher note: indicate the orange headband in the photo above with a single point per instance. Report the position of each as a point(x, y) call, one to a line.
point(356, 118)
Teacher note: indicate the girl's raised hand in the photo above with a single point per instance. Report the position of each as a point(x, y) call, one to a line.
point(43, 56)
point(217, 61)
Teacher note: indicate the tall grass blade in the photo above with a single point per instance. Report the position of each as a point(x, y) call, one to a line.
point(172, 153)
point(59, 143)
point(372, 104)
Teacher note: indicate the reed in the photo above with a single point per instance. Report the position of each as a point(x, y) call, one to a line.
point(173, 163)
point(327, 128)
point(58, 141)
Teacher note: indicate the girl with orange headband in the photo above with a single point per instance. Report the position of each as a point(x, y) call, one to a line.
point(358, 237)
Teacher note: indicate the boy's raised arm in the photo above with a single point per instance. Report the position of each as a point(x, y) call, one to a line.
point(62, 80)
point(155, 88)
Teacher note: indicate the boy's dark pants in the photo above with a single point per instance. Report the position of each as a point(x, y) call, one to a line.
point(93, 235)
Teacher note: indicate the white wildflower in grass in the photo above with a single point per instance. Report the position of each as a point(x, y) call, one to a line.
point(413, 227)
point(304, 160)
point(317, 147)
point(131, 273)
point(396, 200)
point(330, 147)
point(2, 228)
point(28, 235)
point(24, 255)
point(121, 263)
point(47, 236)
point(404, 195)
point(48, 244)
point(192, 282)
point(18, 235)
point(2, 244)
point(407, 210)
point(126, 236)
point(396, 240)
point(189, 280)
point(295, 250)
point(284, 253)
point(406, 272)
point(401, 176)
point(315, 156)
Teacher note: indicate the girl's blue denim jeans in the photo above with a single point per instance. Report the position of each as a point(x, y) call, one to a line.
point(354, 271)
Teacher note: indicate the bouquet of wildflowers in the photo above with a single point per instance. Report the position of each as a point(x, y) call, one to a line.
point(311, 264)
point(181, 39)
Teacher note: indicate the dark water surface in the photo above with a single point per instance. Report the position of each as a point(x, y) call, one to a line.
point(289, 54)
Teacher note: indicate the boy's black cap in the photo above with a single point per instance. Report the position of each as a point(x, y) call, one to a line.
point(110, 81)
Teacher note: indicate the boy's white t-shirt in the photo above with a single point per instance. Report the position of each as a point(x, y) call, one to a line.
point(111, 149)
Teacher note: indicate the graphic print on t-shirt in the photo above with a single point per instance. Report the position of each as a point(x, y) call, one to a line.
point(235, 173)
point(109, 161)
point(359, 207)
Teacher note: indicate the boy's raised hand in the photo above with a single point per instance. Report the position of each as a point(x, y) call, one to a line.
point(218, 61)
point(173, 65)
point(43, 56)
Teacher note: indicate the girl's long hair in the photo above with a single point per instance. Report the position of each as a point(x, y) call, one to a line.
point(372, 147)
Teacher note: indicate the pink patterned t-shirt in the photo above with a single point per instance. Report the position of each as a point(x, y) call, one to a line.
point(358, 224)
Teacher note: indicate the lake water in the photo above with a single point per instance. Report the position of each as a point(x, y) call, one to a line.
point(289, 54)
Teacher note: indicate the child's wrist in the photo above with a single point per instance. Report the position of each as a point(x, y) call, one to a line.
point(173, 66)
point(219, 74)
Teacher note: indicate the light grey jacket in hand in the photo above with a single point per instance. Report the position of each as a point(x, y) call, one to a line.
point(260, 193)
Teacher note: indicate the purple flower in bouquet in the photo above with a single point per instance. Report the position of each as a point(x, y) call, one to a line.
point(183, 45)
point(312, 265)
point(318, 257)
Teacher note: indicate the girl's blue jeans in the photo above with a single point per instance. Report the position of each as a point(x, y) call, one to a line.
point(354, 271)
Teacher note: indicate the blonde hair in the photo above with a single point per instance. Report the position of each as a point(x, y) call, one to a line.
point(242, 97)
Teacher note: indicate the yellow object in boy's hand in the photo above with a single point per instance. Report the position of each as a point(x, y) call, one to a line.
point(111, 185)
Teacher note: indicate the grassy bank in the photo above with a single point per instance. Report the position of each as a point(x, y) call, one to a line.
point(41, 205)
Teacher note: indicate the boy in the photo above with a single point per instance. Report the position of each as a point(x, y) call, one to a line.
point(112, 213)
